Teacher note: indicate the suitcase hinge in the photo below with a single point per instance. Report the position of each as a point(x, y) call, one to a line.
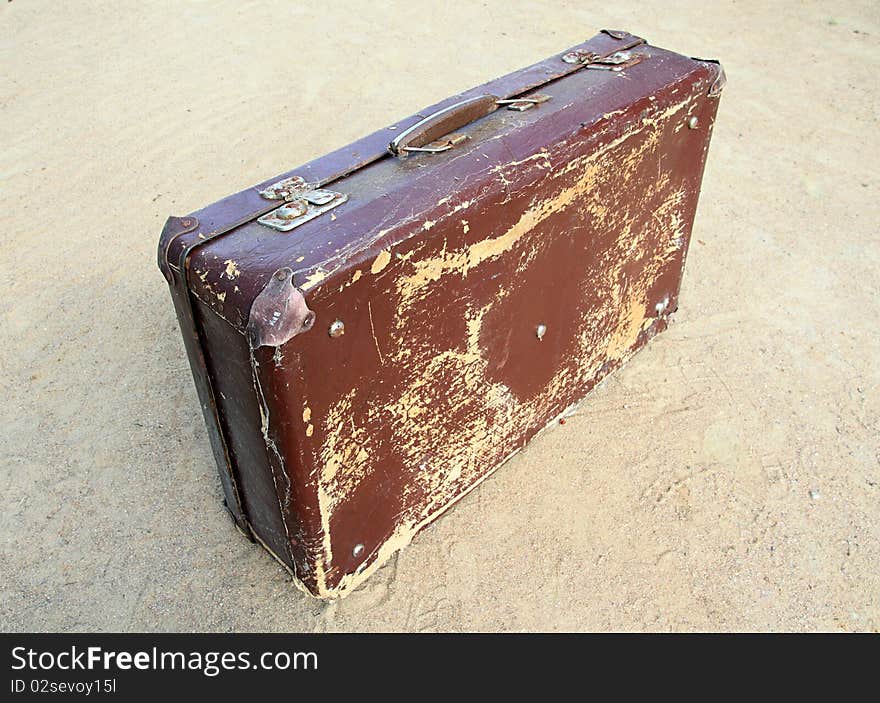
point(617, 61)
point(302, 202)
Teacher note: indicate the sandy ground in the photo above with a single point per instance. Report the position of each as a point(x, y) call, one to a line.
point(727, 478)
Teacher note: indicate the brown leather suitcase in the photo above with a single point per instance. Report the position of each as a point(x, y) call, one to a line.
point(374, 333)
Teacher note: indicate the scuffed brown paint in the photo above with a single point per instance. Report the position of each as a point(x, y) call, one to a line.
point(459, 408)
point(577, 218)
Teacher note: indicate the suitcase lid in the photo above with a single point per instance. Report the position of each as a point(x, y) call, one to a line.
point(232, 291)
point(248, 204)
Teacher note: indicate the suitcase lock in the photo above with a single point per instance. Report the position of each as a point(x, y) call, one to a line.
point(303, 202)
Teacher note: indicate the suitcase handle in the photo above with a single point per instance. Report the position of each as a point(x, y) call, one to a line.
point(426, 134)
point(440, 123)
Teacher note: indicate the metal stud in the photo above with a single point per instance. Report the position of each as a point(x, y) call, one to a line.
point(693, 122)
point(337, 328)
point(540, 331)
point(358, 550)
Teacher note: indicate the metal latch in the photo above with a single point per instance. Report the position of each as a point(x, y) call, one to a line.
point(617, 61)
point(438, 145)
point(303, 202)
point(523, 104)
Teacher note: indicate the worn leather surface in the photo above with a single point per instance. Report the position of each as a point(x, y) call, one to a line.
point(574, 215)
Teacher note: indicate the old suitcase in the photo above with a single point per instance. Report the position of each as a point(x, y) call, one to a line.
point(374, 333)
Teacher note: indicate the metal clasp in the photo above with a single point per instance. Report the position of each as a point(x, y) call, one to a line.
point(288, 189)
point(438, 145)
point(523, 104)
point(303, 202)
point(617, 61)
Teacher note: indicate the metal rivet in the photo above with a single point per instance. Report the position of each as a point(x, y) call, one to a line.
point(358, 550)
point(337, 328)
point(540, 331)
point(294, 209)
point(693, 122)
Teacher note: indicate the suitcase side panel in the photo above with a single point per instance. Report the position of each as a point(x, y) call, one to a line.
point(195, 354)
point(228, 359)
point(442, 373)
point(278, 380)
point(278, 505)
